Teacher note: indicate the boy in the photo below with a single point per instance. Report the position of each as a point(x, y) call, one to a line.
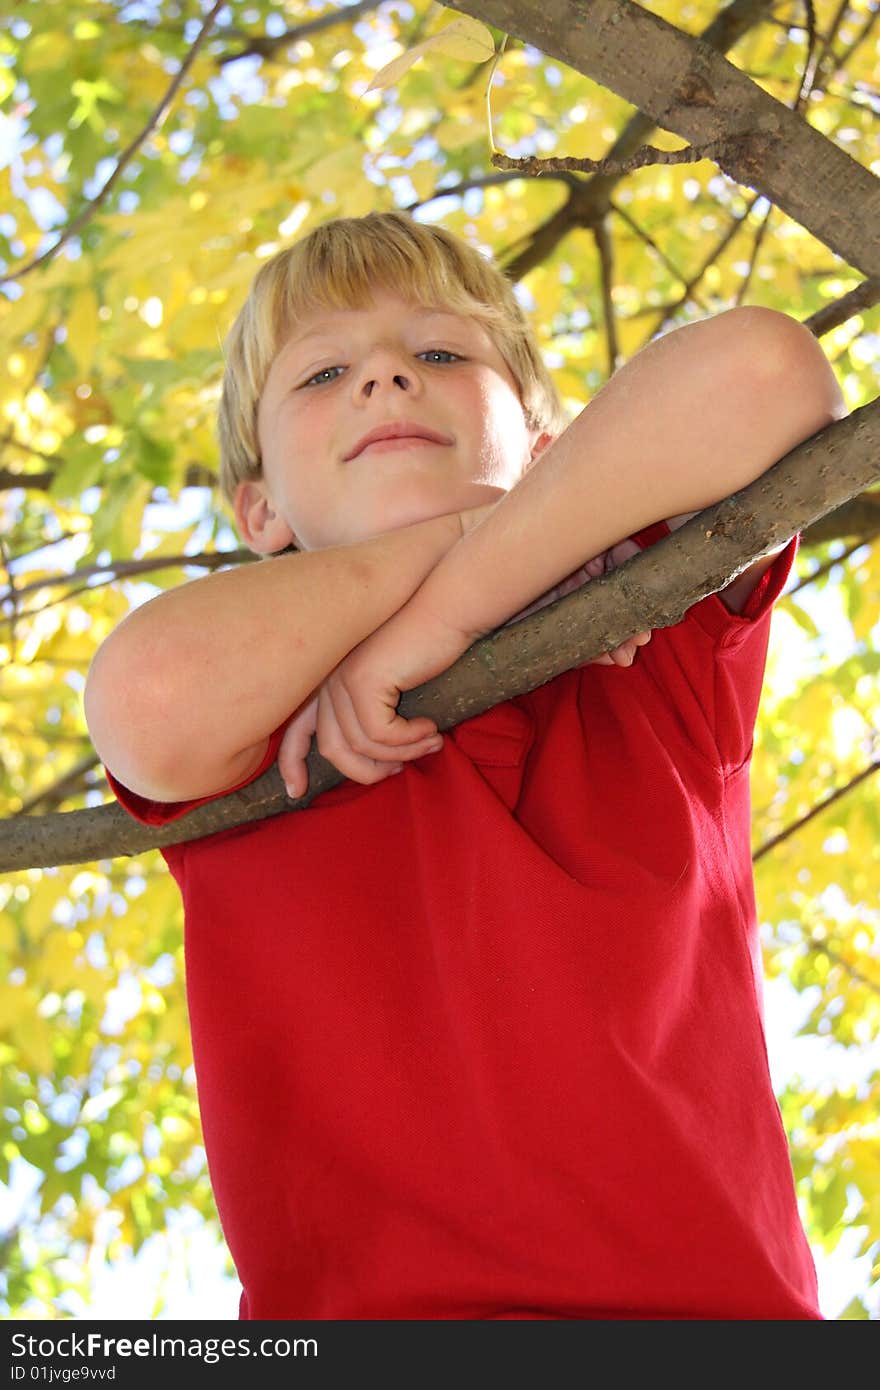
point(483, 1040)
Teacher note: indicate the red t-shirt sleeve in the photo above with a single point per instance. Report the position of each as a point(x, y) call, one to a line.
point(711, 663)
point(162, 812)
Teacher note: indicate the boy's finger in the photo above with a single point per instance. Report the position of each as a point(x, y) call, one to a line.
point(292, 754)
point(379, 752)
point(400, 738)
point(367, 771)
point(355, 756)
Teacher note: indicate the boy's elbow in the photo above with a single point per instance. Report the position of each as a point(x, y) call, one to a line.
point(126, 714)
point(779, 352)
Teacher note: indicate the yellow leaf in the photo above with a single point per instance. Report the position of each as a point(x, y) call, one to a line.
point(456, 134)
point(464, 38)
point(26, 313)
point(44, 897)
point(50, 50)
point(8, 934)
point(19, 1007)
point(82, 330)
point(58, 960)
point(423, 179)
point(360, 199)
point(34, 1037)
point(387, 76)
point(335, 172)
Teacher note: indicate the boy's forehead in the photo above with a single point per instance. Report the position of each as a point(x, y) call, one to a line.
point(324, 323)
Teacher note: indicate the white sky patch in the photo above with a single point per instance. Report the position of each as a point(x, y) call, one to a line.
point(151, 311)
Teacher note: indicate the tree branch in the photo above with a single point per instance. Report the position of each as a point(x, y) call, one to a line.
point(591, 198)
point(864, 296)
point(652, 590)
point(267, 45)
point(682, 84)
point(814, 811)
point(824, 948)
point(196, 474)
point(125, 569)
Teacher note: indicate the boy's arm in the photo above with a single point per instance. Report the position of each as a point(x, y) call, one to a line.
point(182, 696)
point(694, 417)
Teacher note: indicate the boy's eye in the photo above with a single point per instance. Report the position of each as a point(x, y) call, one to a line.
point(322, 376)
point(441, 352)
point(437, 356)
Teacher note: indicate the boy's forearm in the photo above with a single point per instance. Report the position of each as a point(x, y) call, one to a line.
point(696, 416)
point(211, 668)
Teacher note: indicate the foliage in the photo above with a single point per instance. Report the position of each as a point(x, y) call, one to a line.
point(112, 355)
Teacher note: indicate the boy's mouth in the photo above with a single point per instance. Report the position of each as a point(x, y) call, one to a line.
point(404, 430)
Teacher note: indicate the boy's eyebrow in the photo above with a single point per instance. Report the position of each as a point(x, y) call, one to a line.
point(325, 332)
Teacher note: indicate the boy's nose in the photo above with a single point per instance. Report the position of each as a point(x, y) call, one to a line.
point(385, 368)
point(398, 379)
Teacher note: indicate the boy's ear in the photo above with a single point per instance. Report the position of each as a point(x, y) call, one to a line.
point(260, 526)
point(540, 444)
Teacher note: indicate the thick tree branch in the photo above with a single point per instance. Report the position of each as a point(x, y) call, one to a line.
point(652, 590)
point(682, 84)
point(590, 198)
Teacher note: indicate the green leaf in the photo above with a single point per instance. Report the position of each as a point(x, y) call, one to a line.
point(165, 372)
point(83, 466)
point(153, 457)
point(855, 1311)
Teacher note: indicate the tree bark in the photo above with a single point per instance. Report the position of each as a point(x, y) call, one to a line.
point(652, 590)
point(684, 85)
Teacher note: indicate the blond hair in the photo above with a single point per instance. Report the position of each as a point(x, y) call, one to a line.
point(337, 266)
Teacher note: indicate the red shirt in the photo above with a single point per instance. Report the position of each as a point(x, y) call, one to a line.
point(485, 1040)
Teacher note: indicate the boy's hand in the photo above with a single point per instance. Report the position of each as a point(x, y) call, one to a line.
point(354, 713)
point(319, 717)
point(332, 716)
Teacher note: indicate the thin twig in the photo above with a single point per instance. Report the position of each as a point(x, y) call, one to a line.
point(832, 315)
point(605, 253)
point(829, 564)
point(689, 291)
point(66, 784)
point(12, 597)
point(649, 241)
point(823, 948)
point(123, 569)
point(533, 167)
point(816, 810)
point(753, 258)
point(266, 45)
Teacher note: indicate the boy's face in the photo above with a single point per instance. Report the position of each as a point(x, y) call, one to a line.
point(342, 375)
